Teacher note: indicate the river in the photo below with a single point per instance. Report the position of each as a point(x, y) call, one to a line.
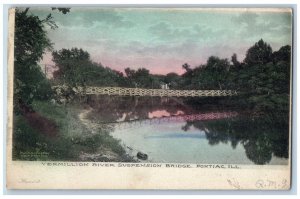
point(170, 130)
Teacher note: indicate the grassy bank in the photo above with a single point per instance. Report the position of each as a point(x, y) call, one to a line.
point(73, 141)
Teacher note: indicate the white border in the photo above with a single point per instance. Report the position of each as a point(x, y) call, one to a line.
point(185, 2)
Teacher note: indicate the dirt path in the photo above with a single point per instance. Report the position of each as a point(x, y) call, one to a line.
point(103, 154)
point(89, 125)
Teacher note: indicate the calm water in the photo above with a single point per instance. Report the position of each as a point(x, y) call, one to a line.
point(171, 130)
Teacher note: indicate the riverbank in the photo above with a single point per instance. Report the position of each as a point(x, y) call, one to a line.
point(75, 139)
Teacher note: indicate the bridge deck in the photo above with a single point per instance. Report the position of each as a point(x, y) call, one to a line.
point(150, 92)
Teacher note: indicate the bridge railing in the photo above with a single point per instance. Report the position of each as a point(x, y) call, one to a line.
point(146, 92)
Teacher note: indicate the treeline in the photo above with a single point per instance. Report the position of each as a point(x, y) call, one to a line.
point(261, 71)
point(262, 78)
point(261, 137)
point(75, 68)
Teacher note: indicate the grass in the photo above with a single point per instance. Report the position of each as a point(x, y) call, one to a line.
point(73, 138)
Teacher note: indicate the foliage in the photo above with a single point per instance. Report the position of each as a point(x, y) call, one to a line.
point(72, 140)
point(267, 82)
point(63, 10)
point(173, 80)
point(31, 84)
point(31, 39)
point(262, 79)
point(142, 78)
point(212, 75)
point(77, 69)
point(262, 137)
point(31, 42)
point(260, 53)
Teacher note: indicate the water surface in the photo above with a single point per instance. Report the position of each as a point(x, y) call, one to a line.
point(172, 131)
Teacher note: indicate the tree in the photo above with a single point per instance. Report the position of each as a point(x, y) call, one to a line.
point(283, 54)
point(140, 78)
point(212, 75)
point(235, 62)
point(266, 79)
point(31, 39)
point(260, 53)
point(216, 64)
point(119, 73)
point(77, 69)
point(129, 73)
point(173, 79)
point(69, 63)
point(63, 10)
point(186, 67)
point(31, 42)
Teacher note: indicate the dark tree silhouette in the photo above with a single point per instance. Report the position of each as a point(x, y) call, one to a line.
point(260, 53)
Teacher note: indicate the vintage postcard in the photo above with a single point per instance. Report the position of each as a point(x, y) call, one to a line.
point(149, 98)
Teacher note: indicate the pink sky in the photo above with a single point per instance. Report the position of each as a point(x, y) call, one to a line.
point(162, 41)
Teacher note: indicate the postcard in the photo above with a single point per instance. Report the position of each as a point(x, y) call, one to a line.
point(149, 98)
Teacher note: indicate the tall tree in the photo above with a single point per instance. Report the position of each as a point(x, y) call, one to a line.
point(75, 68)
point(31, 42)
point(260, 53)
point(235, 62)
point(68, 63)
point(212, 75)
point(141, 78)
point(266, 79)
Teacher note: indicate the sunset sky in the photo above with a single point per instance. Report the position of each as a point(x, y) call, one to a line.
point(161, 40)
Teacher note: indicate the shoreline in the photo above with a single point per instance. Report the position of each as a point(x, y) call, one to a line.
point(103, 154)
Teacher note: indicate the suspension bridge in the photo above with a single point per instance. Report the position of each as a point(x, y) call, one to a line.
point(121, 91)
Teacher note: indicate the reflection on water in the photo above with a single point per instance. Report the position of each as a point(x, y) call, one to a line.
point(163, 113)
point(173, 131)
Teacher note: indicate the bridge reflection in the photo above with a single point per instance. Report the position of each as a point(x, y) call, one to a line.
point(262, 136)
point(177, 118)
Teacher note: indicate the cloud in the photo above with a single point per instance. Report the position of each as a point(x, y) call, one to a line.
point(267, 26)
point(89, 18)
point(163, 41)
point(195, 33)
point(166, 32)
point(162, 30)
point(165, 58)
point(206, 32)
point(247, 19)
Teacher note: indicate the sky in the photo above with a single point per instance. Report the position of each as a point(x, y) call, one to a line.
point(162, 39)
